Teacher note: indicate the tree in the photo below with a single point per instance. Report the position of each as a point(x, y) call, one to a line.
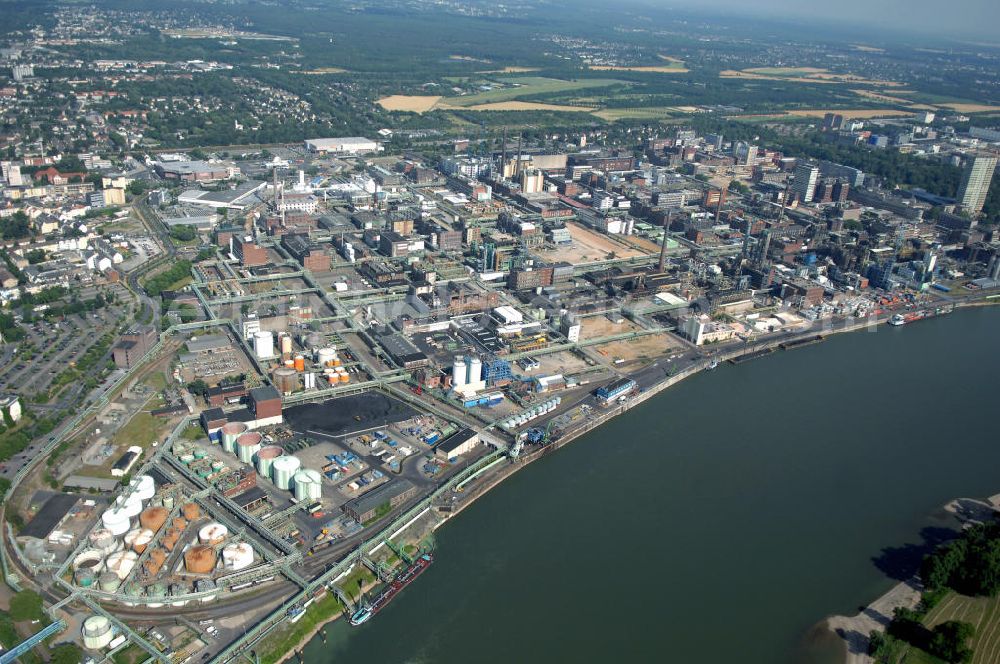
point(26, 605)
point(198, 387)
point(948, 641)
point(66, 653)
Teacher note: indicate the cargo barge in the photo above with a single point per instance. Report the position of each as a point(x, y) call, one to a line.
point(788, 345)
point(403, 579)
point(913, 316)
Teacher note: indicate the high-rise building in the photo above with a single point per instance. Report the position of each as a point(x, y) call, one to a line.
point(804, 183)
point(745, 154)
point(833, 122)
point(976, 182)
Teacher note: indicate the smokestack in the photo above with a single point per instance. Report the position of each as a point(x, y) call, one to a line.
point(662, 266)
point(503, 155)
point(517, 166)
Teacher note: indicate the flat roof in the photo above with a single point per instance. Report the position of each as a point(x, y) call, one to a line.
point(251, 495)
point(379, 495)
point(52, 512)
point(452, 443)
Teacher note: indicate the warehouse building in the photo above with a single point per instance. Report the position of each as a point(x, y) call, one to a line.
point(455, 446)
point(350, 145)
point(365, 508)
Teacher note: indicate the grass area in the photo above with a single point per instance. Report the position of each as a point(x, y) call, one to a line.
point(193, 432)
point(523, 86)
point(180, 283)
point(156, 380)
point(380, 512)
point(141, 430)
point(282, 643)
point(983, 613)
point(612, 114)
point(350, 582)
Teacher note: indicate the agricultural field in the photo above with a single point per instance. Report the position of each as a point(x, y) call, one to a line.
point(409, 103)
point(983, 613)
point(524, 86)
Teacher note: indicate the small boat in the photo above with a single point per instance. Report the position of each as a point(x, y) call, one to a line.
point(897, 320)
point(713, 364)
point(361, 616)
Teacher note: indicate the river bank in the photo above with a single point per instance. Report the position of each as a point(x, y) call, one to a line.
point(487, 484)
point(768, 518)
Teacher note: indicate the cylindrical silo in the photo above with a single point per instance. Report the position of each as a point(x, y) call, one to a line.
point(326, 356)
point(199, 559)
point(459, 376)
point(263, 344)
point(97, 632)
point(248, 445)
point(230, 432)
point(212, 534)
point(237, 556)
point(178, 593)
point(153, 518)
point(116, 521)
point(308, 485)
point(108, 582)
point(286, 380)
point(131, 506)
point(155, 595)
point(266, 457)
point(205, 585)
point(282, 470)
point(475, 370)
point(300, 363)
point(121, 563)
point(143, 487)
point(286, 344)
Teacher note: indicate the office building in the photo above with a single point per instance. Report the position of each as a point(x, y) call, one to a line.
point(976, 182)
point(804, 182)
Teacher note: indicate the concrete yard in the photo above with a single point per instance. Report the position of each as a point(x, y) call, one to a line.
point(590, 246)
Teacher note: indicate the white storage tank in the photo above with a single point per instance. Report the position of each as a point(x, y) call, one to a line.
point(326, 356)
point(283, 469)
point(458, 372)
point(266, 457)
point(122, 562)
point(230, 432)
point(97, 632)
point(308, 485)
point(116, 521)
point(263, 345)
point(475, 370)
point(143, 487)
point(237, 556)
point(131, 506)
point(103, 539)
point(212, 534)
point(248, 445)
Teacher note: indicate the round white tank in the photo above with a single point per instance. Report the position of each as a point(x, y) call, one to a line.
point(237, 556)
point(89, 559)
point(130, 506)
point(326, 356)
point(213, 533)
point(475, 370)
point(459, 374)
point(97, 633)
point(121, 563)
point(282, 470)
point(103, 539)
point(138, 539)
point(143, 487)
point(286, 344)
point(116, 521)
point(308, 485)
point(263, 344)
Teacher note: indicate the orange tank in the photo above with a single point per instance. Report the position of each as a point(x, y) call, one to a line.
point(179, 523)
point(344, 378)
point(153, 518)
point(155, 562)
point(170, 539)
point(335, 363)
point(199, 559)
point(191, 511)
point(333, 379)
point(300, 363)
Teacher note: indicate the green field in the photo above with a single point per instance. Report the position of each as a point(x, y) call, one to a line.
point(524, 86)
point(983, 613)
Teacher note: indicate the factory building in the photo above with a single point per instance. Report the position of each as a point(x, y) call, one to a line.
point(247, 252)
point(365, 508)
point(265, 405)
point(305, 252)
point(196, 171)
point(455, 446)
point(618, 388)
point(351, 145)
point(133, 345)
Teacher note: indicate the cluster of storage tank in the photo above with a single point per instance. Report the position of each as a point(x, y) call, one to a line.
point(466, 372)
point(530, 414)
point(115, 545)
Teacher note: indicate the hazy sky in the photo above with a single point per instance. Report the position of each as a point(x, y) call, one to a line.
point(957, 19)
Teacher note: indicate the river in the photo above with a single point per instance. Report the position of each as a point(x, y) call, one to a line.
point(718, 522)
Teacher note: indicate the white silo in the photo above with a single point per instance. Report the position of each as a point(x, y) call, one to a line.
point(237, 556)
point(116, 521)
point(308, 485)
point(459, 374)
point(326, 356)
point(283, 469)
point(475, 370)
point(263, 344)
point(248, 445)
point(97, 632)
point(143, 487)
